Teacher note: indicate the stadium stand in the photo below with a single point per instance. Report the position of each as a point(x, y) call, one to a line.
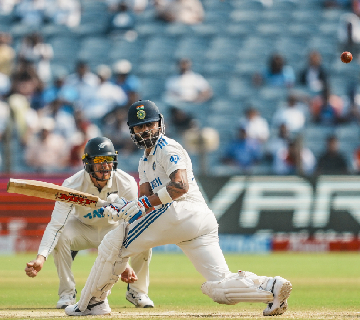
point(232, 44)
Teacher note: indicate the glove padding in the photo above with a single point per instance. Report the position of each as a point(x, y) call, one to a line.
point(112, 210)
point(130, 211)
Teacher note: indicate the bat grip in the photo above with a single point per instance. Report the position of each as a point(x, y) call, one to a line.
point(102, 203)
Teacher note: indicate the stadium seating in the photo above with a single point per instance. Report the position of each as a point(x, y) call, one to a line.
point(232, 44)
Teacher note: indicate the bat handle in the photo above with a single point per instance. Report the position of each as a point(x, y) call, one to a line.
point(102, 203)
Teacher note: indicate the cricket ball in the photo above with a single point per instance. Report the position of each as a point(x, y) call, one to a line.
point(346, 57)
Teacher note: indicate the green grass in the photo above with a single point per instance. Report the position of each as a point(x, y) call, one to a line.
point(325, 283)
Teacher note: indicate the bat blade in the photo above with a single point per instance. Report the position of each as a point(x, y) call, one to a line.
point(46, 190)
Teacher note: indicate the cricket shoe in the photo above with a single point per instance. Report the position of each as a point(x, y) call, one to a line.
point(281, 289)
point(66, 300)
point(95, 308)
point(139, 300)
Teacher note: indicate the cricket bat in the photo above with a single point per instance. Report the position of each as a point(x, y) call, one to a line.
point(52, 191)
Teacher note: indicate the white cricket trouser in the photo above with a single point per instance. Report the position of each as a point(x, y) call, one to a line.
point(191, 226)
point(79, 236)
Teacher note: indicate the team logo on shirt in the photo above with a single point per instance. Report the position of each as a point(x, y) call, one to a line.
point(174, 158)
point(141, 114)
point(154, 166)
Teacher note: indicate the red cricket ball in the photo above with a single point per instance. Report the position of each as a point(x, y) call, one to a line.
point(346, 57)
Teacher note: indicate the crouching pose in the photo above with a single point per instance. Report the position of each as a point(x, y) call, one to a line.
point(74, 228)
point(180, 217)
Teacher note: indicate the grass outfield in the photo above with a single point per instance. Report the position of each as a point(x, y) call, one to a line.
point(325, 286)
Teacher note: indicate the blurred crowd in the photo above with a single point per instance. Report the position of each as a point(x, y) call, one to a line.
point(53, 114)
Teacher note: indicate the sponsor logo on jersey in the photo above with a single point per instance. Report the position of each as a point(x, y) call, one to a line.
point(94, 214)
point(154, 166)
point(175, 158)
point(155, 183)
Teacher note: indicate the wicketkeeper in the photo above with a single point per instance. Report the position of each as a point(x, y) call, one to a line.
point(73, 228)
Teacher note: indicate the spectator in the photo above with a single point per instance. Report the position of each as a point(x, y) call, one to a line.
point(349, 33)
point(5, 84)
point(294, 160)
point(256, 126)
point(116, 129)
point(136, 6)
point(180, 11)
point(127, 81)
point(66, 94)
point(187, 87)
point(24, 79)
point(326, 108)
point(47, 151)
point(332, 161)
point(346, 4)
point(4, 117)
point(6, 7)
point(292, 114)
point(85, 82)
point(107, 96)
point(280, 141)
point(313, 76)
point(64, 123)
point(34, 50)
point(24, 85)
point(243, 151)
point(7, 54)
point(84, 131)
point(30, 12)
point(356, 7)
point(356, 160)
point(181, 120)
point(277, 73)
point(63, 12)
point(122, 20)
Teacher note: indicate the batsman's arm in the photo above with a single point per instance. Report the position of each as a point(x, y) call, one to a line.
point(177, 187)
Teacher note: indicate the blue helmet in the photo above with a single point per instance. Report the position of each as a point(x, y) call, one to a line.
point(142, 112)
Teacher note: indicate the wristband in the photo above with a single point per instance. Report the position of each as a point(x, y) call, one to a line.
point(145, 202)
point(164, 196)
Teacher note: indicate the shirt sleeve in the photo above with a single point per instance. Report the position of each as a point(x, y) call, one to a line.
point(55, 227)
point(173, 159)
point(132, 191)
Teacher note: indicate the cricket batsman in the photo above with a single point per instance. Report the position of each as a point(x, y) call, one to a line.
point(180, 216)
point(73, 228)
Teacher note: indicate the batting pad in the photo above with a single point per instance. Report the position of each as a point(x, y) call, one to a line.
point(107, 268)
point(236, 288)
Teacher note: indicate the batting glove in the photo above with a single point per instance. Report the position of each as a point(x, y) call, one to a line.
point(112, 211)
point(135, 209)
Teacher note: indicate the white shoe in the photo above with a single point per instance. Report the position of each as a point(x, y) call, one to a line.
point(66, 300)
point(139, 300)
point(96, 308)
point(281, 289)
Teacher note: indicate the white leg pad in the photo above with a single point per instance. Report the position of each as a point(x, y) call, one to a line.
point(237, 288)
point(107, 268)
